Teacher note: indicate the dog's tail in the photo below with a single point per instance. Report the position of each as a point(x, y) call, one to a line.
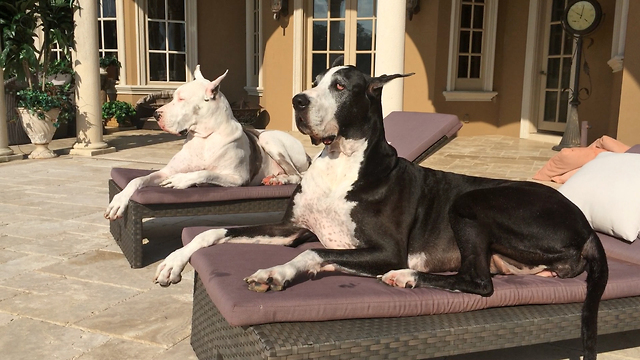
point(597, 276)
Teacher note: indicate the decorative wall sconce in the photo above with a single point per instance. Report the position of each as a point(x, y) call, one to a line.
point(279, 8)
point(413, 7)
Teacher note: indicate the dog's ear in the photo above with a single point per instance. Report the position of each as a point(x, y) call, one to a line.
point(376, 83)
point(213, 88)
point(198, 75)
point(339, 61)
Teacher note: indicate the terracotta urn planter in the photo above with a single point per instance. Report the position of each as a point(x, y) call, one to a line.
point(40, 131)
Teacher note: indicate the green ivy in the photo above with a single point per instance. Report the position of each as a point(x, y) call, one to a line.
point(120, 110)
point(39, 102)
point(108, 61)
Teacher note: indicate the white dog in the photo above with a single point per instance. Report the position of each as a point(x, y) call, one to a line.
point(218, 150)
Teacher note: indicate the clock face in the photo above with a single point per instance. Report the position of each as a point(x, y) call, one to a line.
point(582, 16)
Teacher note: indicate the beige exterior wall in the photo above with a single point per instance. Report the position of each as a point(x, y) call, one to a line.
point(628, 130)
point(277, 69)
point(611, 108)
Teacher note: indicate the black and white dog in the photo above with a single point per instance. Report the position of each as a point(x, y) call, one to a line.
point(380, 215)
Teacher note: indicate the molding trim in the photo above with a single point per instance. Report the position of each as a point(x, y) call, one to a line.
point(254, 91)
point(122, 54)
point(144, 89)
point(527, 126)
point(469, 95)
point(298, 19)
point(619, 36)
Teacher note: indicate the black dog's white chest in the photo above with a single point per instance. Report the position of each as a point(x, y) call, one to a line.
point(322, 206)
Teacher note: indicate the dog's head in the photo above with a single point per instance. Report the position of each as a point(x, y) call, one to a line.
point(343, 102)
point(197, 107)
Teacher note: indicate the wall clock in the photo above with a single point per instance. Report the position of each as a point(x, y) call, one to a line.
point(582, 17)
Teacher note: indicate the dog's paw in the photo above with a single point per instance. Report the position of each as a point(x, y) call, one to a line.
point(276, 278)
point(116, 207)
point(281, 179)
point(178, 181)
point(170, 270)
point(271, 180)
point(405, 278)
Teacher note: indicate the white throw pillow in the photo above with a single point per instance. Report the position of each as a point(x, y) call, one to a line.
point(607, 190)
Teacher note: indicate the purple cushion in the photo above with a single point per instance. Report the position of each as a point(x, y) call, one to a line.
point(160, 195)
point(337, 296)
point(413, 133)
point(635, 149)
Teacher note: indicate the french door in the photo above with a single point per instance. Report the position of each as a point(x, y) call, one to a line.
point(556, 75)
point(340, 28)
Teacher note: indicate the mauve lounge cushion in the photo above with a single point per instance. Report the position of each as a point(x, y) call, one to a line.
point(413, 133)
point(337, 296)
point(635, 149)
point(161, 195)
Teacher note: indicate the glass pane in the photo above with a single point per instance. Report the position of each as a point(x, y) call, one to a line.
point(109, 8)
point(476, 42)
point(553, 73)
point(463, 67)
point(557, 10)
point(564, 106)
point(336, 30)
point(320, 9)
point(338, 8)
point(175, 10)
point(176, 37)
point(568, 44)
point(155, 9)
point(365, 33)
point(157, 35)
point(550, 104)
point(478, 17)
point(110, 34)
point(474, 69)
point(319, 35)
point(318, 64)
point(465, 16)
point(100, 37)
point(555, 39)
point(464, 41)
point(366, 8)
point(157, 67)
point(566, 72)
point(363, 63)
point(177, 68)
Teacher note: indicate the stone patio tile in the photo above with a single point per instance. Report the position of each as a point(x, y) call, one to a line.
point(100, 266)
point(118, 349)
point(27, 339)
point(7, 255)
point(159, 316)
point(48, 294)
point(64, 245)
point(181, 350)
point(61, 209)
point(25, 264)
point(6, 319)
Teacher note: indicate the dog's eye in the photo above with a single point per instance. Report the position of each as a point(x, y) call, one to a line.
point(339, 86)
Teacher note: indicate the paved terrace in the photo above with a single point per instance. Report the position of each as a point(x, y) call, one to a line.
point(67, 292)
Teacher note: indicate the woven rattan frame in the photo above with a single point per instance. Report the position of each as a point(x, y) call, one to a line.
point(127, 231)
point(408, 338)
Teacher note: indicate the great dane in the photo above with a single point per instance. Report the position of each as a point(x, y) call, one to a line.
point(218, 150)
point(380, 215)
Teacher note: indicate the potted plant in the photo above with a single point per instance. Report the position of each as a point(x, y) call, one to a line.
point(120, 111)
point(111, 65)
point(39, 104)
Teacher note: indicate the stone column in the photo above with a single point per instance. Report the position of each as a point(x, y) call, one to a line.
point(89, 140)
point(391, 21)
point(6, 153)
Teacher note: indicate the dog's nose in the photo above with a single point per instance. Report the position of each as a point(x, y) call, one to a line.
point(156, 115)
point(300, 102)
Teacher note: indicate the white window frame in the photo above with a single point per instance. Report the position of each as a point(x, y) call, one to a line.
point(145, 87)
point(488, 55)
point(120, 41)
point(254, 80)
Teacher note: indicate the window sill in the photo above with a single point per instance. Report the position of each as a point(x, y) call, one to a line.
point(469, 95)
point(144, 89)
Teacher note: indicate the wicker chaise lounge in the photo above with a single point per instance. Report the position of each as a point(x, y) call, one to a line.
point(338, 316)
point(416, 135)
